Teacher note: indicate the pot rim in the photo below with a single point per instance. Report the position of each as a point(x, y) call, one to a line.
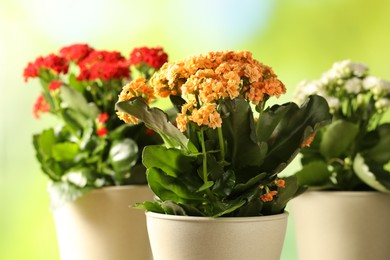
point(119, 187)
point(345, 193)
point(155, 215)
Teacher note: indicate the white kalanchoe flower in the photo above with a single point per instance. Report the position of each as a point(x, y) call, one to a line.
point(305, 89)
point(333, 102)
point(341, 69)
point(381, 89)
point(353, 86)
point(378, 87)
point(382, 105)
point(370, 82)
point(358, 69)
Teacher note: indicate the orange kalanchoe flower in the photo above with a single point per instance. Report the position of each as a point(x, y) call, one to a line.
point(269, 196)
point(280, 183)
point(308, 141)
point(136, 88)
point(208, 79)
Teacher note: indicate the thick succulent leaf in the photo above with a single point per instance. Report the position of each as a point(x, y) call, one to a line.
point(255, 181)
point(290, 126)
point(123, 155)
point(76, 101)
point(214, 169)
point(74, 120)
point(77, 176)
point(171, 208)
point(44, 143)
point(229, 207)
point(372, 174)
point(173, 163)
point(314, 173)
point(291, 190)
point(170, 188)
point(224, 185)
point(155, 119)
point(149, 206)
point(380, 153)
point(65, 151)
point(239, 132)
point(337, 138)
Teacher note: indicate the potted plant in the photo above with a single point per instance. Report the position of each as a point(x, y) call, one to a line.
point(215, 178)
point(92, 159)
point(346, 213)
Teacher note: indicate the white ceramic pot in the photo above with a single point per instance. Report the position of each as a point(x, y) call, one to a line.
point(342, 225)
point(204, 238)
point(101, 226)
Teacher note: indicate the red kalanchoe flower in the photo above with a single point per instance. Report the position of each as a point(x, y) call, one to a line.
point(54, 85)
point(76, 52)
point(103, 65)
point(154, 57)
point(40, 106)
point(56, 63)
point(52, 62)
point(32, 69)
point(102, 131)
point(103, 118)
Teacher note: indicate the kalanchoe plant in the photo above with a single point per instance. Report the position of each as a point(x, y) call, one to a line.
point(89, 147)
point(221, 159)
point(351, 153)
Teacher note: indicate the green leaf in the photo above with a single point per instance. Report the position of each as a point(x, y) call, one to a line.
point(171, 208)
point(337, 138)
point(224, 185)
point(76, 101)
point(239, 188)
point(122, 156)
point(380, 152)
point(155, 119)
point(290, 126)
point(291, 190)
point(315, 173)
point(229, 207)
point(149, 206)
point(44, 143)
point(372, 174)
point(74, 83)
point(74, 120)
point(239, 132)
point(205, 186)
point(77, 176)
point(65, 151)
point(170, 188)
point(172, 161)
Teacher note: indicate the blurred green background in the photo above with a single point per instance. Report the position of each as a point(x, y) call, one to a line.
point(298, 38)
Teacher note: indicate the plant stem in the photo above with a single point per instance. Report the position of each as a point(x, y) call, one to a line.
point(201, 140)
point(221, 144)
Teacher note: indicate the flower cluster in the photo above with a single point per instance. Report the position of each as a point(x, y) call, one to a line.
point(347, 82)
point(154, 58)
point(350, 153)
point(205, 80)
point(220, 158)
point(80, 86)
